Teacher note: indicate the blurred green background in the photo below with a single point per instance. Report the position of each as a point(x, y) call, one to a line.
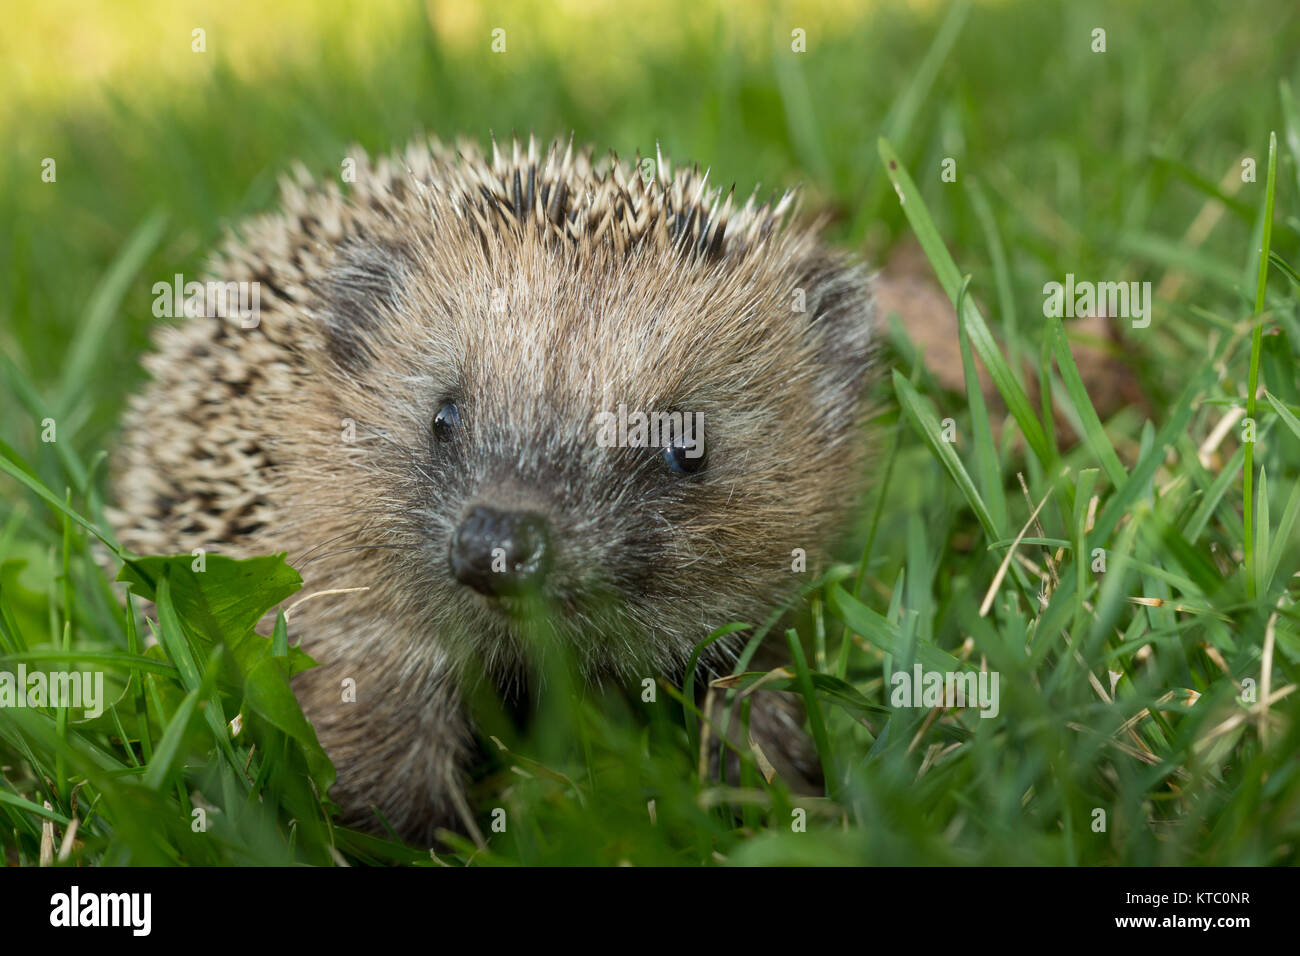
point(1070, 145)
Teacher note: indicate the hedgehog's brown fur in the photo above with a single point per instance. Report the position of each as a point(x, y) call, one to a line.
point(533, 290)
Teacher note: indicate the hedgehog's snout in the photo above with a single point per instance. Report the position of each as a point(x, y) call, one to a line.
point(500, 553)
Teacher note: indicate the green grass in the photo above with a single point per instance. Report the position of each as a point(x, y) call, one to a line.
point(1121, 690)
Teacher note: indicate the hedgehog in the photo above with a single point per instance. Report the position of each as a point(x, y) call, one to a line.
point(411, 419)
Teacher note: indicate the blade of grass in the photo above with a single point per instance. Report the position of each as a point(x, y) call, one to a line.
point(1283, 537)
point(928, 427)
point(105, 303)
point(1256, 344)
point(884, 633)
point(13, 465)
point(986, 456)
point(902, 114)
point(1094, 433)
point(1001, 272)
point(1283, 413)
point(816, 720)
point(1262, 538)
point(945, 269)
point(1214, 495)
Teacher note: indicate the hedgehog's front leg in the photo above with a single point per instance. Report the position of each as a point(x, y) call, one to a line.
point(394, 728)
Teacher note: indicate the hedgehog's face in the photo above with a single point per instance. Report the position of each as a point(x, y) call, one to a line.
point(645, 447)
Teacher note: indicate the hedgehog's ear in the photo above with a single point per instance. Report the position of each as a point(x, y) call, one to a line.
point(840, 314)
point(359, 291)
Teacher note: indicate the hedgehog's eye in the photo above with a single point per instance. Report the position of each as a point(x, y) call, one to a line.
point(446, 422)
point(684, 455)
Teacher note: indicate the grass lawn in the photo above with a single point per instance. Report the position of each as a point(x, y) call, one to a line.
point(1121, 546)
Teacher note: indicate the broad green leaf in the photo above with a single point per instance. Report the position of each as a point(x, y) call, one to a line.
point(268, 695)
point(226, 599)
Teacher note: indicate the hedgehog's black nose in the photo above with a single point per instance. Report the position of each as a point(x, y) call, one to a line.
point(499, 552)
